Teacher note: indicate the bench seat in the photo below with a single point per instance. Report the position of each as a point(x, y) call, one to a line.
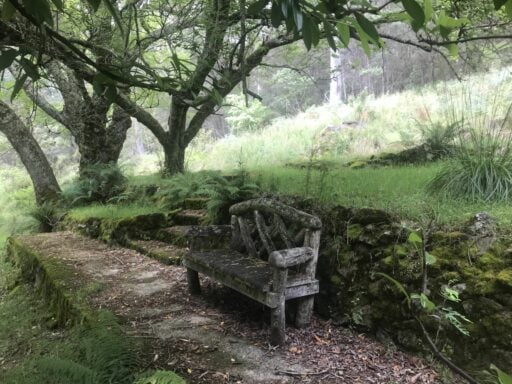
point(247, 275)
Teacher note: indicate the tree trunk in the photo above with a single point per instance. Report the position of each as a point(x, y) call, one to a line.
point(46, 187)
point(99, 144)
point(175, 143)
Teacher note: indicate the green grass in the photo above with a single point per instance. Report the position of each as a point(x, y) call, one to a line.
point(399, 190)
point(112, 211)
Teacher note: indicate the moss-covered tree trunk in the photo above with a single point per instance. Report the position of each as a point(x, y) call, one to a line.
point(175, 144)
point(46, 187)
point(86, 116)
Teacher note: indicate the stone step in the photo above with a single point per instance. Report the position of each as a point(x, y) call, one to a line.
point(190, 217)
point(196, 203)
point(175, 235)
point(163, 252)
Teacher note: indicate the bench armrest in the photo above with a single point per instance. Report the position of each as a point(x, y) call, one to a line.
point(289, 257)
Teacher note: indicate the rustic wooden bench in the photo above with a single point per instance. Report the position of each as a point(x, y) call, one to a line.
point(271, 258)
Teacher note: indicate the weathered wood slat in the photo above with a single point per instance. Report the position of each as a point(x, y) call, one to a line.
point(263, 232)
point(245, 234)
point(271, 206)
point(281, 229)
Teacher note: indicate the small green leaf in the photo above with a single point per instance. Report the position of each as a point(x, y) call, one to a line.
point(275, 15)
point(368, 27)
point(7, 58)
point(363, 37)
point(430, 259)
point(307, 33)
point(503, 377)
point(397, 284)
point(20, 81)
point(499, 3)
point(30, 69)
point(414, 10)
point(344, 33)
point(414, 238)
point(315, 31)
point(453, 49)
point(508, 8)
point(95, 4)
point(111, 93)
point(426, 303)
point(58, 4)
point(115, 14)
point(8, 10)
point(450, 294)
point(257, 7)
point(428, 9)
point(299, 19)
point(40, 10)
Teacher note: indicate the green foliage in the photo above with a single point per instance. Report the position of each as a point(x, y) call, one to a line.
point(439, 136)
point(481, 169)
point(176, 189)
point(503, 378)
point(246, 118)
point(104, 356)
point(99, 183)
point(224, 192)
point(161, 377)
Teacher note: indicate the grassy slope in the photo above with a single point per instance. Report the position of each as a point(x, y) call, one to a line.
point(388, 123)
point(399, 190)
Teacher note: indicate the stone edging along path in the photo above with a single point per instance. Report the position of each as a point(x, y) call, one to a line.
point(215, 338)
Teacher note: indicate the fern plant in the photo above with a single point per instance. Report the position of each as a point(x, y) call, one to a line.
point(224, 192)
point(98, 183)
point(105, 356)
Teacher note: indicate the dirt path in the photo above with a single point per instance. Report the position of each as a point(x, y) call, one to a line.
point(220, 336)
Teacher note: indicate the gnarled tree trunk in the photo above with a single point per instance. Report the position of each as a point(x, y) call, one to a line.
point(46, 187)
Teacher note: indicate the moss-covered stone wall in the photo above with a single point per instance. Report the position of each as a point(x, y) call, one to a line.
point(358, 243)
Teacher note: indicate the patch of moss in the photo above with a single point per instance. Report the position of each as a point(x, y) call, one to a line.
point(505, 277)
point(336, 280)
point(357, 164)
point(354, 231)
point(52, 279)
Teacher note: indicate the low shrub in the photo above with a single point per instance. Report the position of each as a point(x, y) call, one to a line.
point(481, 168)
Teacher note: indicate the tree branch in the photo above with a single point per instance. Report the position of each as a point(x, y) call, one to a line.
point(142, 117)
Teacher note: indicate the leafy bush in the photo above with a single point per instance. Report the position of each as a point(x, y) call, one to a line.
point(482, 165)
point(440, 136)
point(99, 183)
point(242, 118)
point(182, 186)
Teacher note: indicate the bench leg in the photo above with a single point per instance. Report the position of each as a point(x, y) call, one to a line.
point(194, 287)
point(277, 323)
point(304, 311)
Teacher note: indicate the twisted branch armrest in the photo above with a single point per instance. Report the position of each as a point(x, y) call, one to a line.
point(286, 258)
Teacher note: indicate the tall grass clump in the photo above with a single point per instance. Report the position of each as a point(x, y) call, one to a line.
point(481, 167)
